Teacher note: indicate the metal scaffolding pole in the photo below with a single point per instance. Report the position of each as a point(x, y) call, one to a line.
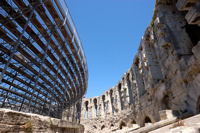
point(41, 66)
point(17, 43)
point(40, 37)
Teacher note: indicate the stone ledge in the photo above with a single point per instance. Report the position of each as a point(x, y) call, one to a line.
point(14, 121)
point(154, 126)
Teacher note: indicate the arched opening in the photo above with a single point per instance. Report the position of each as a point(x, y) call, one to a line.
point(111, 92)
point(198, 106)
point(95, 107)
point(102, 127)
point(120, 95)
point(165, 102)
point(133, 122)
point(127, 77)
point(86, 109)
point(104, 104)
point(112, 100)
point(147, 120)
point(119, 86)
point(137, 61)
point(193, 32)
point(122, 124)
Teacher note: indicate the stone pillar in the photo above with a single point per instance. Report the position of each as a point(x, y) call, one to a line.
point(138, 76)
point(109, 109)
point(95, 107)
point(152, 62)
point(129, 86)
point(111, 101)
point(83, 111)
point(167, 33)
point(120, 106)
point(89, 110)
point(100, 107)
point(103, 106)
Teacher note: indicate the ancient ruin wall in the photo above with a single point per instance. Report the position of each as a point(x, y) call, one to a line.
point(165, 73)
point(15, 122)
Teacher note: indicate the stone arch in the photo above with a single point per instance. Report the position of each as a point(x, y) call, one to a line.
point(95, 107)
point(124, 98)
point(137, 61)
point(122, 124)
point(112, 100)
point(165, 102)
point(128, 77)
point(104, 104)
point(119, 86)
point(193, 32)
point(123, 79)
point(102, 127)
point(147, 120)
point(120, 95)
point(86, 109)
point(198, 106)
point(133, 122)
point(103, 97)
point(111, 91)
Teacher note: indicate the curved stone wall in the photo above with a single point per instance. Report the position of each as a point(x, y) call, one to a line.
point(163, 81)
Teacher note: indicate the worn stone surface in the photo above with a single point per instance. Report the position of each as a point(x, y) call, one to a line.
point(164, 81)
point(190, 125)
point(15, 122)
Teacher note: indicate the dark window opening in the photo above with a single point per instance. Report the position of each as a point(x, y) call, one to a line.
point(86, 107)
point(102, 127)
point(147, 120)
point(133, 122)
point(165, 102)
point(95, 107)
point(194, 33)
point(137, 62)
point(122, 124)
point(189, 4)
point(119, 87)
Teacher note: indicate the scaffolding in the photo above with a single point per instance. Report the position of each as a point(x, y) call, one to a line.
point(43, 68)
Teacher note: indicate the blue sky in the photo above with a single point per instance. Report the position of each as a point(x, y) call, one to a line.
point(110, 31)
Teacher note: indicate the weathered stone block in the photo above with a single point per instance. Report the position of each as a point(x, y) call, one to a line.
point(185, 4)
point(166, 114)
point(196, 50)
point(193, 15)
point(13, 121)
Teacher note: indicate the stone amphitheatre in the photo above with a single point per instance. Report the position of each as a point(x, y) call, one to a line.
point(43, 73)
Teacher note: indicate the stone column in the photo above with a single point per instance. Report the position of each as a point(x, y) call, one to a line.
point(129, 86)
point(120, 106)
point(99, 107)
point(83, 111)
point(152, 62)
point(89, 110)
point(111, 101)
point(138, 76)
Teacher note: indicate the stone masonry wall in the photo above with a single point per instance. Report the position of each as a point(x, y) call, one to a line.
point(165, 74)
point(15, 122)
